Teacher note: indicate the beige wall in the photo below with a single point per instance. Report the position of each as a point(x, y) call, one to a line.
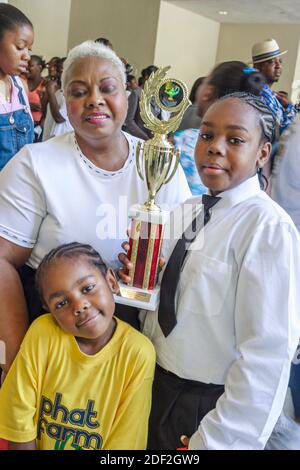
point(131, 26)
point(236, 40)
point(186, 41)
point(50, 19)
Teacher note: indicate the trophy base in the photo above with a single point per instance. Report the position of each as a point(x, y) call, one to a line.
point(140, 298)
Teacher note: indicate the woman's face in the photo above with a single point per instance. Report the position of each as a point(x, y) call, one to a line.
point(34, 68)
point(96, 98)
point(14, 50)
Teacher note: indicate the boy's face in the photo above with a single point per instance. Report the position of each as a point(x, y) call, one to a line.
point(80, 298)
point(229, 148)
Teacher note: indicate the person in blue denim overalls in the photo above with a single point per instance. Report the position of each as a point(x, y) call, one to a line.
point(16, 124)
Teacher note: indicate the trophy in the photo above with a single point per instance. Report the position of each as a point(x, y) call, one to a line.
point(156, 161)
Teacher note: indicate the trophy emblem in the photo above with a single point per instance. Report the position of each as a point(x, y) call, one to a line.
point(156, 161)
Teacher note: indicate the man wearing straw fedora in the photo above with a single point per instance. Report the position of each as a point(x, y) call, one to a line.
point(266, 57)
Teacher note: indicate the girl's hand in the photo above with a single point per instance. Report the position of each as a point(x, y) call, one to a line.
point(127, 265)
point(185, 441)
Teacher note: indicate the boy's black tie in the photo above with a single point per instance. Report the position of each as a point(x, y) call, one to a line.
point(166, 311)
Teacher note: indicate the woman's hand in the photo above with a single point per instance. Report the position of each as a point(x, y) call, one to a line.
point(51, 87)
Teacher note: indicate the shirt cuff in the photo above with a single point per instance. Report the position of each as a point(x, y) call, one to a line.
point(16, 237)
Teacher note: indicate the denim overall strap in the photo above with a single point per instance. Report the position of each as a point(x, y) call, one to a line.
point(20, 92)
point(16, 129)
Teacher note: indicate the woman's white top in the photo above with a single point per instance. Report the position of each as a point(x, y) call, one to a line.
point(52, 194)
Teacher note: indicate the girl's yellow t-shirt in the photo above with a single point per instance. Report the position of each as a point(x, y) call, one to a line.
point(66, 399)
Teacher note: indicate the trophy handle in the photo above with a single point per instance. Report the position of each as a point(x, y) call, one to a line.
point(137, 159)
point(177, 153)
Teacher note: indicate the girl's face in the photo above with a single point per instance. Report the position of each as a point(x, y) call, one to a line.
point(229, 149)
point(14, 50)
point(80, 299)
point(96, 98)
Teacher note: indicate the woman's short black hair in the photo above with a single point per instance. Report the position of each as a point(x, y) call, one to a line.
point(235, 76)
point(10, 18)
point(104, 41)
point(197, 83)
point(148, 70)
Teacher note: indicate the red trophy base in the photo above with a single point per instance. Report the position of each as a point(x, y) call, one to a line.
point(145, 241)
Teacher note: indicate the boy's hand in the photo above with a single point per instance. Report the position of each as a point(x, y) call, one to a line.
point(127, 264)
point(283, 100)
point(185, 441)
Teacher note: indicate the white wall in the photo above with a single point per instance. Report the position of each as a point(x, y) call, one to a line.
point(236, 40)
point(50, 19)
point(186, 41)
point(130, 25)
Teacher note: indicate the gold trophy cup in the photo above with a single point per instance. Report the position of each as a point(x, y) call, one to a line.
point(157, 162)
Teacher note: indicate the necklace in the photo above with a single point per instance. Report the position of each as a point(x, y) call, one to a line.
point(6, 92)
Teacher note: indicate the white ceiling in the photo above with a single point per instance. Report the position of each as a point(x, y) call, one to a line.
point(245, 11)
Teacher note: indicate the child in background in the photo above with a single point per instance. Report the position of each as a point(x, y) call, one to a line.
point(36, 85)
point(16, 124)
point(82, 378)
point(228, 322)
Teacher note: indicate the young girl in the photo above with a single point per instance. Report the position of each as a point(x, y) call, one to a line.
point(16, 124)
point(82, 378)
point(224, 363)
point(226, 77)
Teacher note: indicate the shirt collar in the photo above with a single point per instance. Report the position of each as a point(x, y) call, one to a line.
point(239, 193)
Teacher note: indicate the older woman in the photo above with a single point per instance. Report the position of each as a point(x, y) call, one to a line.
point(74, 187)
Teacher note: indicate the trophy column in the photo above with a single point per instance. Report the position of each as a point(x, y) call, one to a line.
point(156, 162)
point(146, 236)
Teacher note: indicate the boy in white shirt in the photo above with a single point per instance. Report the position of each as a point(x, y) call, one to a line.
point(228, 322)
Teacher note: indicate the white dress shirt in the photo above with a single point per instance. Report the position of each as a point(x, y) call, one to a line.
point(238, 319)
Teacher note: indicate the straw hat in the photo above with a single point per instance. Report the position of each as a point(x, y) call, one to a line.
point(265, 50)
